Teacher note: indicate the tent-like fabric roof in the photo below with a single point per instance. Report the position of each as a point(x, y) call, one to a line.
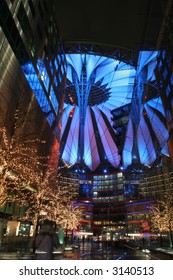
point(96, 85)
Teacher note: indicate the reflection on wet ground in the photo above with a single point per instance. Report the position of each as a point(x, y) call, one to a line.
point(103, 251)
point(92, 251)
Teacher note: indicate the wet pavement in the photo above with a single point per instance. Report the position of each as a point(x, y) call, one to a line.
point(95, 251)
point(102, 251)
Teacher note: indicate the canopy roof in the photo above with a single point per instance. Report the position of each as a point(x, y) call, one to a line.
point(97, 85)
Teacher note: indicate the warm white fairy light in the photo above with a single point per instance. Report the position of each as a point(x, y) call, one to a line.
point(57, 204)
point(36, 202)
point(26, 179)
point(19, 164)
point(73, 214)
point(45, 198)
point(162, 214)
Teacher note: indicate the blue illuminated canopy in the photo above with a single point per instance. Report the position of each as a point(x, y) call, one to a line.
point(95, 87)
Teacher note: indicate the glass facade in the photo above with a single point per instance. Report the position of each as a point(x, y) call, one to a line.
point(39, 53)
point(109, 212)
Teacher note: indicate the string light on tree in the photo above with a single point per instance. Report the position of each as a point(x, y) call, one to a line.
point(162, 216)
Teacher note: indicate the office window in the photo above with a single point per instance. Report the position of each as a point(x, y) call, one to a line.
point(4, 11)
point(23, 19)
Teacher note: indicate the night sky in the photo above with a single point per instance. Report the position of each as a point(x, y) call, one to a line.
point(131, 24)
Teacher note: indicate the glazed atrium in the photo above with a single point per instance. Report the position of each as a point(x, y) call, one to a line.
point(105, 113)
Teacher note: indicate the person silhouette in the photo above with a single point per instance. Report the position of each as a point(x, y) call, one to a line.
point(45, 242)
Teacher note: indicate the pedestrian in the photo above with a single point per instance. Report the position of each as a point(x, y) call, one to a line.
point(44, 244)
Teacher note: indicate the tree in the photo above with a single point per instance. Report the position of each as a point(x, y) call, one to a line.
point(36, 200)
point(19, 163)
point(60, 197)
point(45, 201)
point(3, 195)
point(162, 216)
point(20, 158)
point(73, 214)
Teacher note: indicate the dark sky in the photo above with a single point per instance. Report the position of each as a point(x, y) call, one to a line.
point(125, 23)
